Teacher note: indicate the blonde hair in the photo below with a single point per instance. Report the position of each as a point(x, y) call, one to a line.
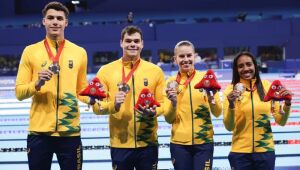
point(183, 43)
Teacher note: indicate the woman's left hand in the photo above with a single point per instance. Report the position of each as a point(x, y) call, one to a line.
point(284, 92)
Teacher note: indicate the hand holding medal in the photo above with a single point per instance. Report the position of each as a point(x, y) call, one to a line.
point(239, 87)
point(43, 76)
point(172, 91)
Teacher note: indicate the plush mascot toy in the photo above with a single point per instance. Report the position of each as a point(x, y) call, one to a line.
point(274, 95)
point(209, 83)
point(94, 90)
point(146, 98)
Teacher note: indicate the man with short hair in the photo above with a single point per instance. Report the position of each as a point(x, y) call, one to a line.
point(52, 72)
point(133, 132)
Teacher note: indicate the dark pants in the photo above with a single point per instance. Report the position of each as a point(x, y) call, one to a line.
point(192, 157)
point(41, 148)
point(139, 158)
point(249, 161)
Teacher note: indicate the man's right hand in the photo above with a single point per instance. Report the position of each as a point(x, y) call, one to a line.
point(119, 99)
point(43, 76)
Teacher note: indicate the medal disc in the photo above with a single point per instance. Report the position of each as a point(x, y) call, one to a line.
point(123, 87)
point(54, 67)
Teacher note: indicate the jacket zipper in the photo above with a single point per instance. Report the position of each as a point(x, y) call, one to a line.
point(134, 112)
point(251, 94)
point(191, 104)
point(57, 100)
point(57, 93)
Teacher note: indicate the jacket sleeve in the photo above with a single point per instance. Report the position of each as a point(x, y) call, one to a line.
point(169, 110)
point(216, 109)
point(228, 117)
point(82, 79)
point(25, 86)
point(107, 106)
point(159, 90)
point(281, 118)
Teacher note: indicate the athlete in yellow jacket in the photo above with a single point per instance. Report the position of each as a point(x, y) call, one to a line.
point(248, 116)
point(54, 125)
point(133, 135)
point(55, 108)
point(189, 111)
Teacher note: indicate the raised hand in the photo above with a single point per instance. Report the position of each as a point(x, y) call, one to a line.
point(119, 99)
point(43, 76)
point(232, 96)
point(172, 95)
point(284, 93)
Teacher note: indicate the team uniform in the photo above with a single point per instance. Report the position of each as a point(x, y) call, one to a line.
point(192, 130)
point(252, 140)
point(54, 125)
point(133, 137)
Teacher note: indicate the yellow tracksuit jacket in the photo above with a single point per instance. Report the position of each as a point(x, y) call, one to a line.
point(54, 110)
point(192, 124)
point(128, 128)
point(252, 130)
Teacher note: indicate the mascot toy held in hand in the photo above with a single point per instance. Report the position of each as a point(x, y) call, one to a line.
point(94, 90)
point(274, 95)
point(146, 99)
point(209, 83)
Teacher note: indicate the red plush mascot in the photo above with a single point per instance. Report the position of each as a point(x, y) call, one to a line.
point(209, 83)
point(94, 90)
point(146, 99)
point(274, 95)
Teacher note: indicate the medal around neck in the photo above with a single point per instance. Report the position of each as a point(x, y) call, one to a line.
point(54, 67)
point(123, 87)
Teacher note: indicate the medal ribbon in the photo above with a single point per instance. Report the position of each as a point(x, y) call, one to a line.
point(53, 58)
point(187, 81)
point(125, 79)
point(252, 90)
